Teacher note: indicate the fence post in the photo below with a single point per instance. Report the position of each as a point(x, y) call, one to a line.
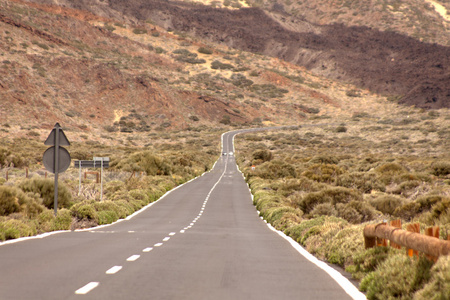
point(433, 232)
point(396, 224)
point(412, 228)
point(26, 172)
point(381, 241)
point(7, 174)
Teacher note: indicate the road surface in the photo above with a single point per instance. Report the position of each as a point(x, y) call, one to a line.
point(203, 240)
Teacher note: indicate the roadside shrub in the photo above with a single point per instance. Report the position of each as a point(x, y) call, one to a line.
point(107, 217)
point(63, 220)
point(324, 209)
point(14, 200)
point(45, 188)
point(332, 195)
point(147, 162)
point(409, 274)
point(14, 229)
point(368, 260)
point(85, 210)
point(262, 155)
point(341, 248)
point(324, 159)
point(45, 220)
point(389, 171)
point(439, 284)
point(407, 211)
point(441, 168)
point(9, 201)
point(276, 169)
point(387, 203)
point(327, 173)
point(364, 182)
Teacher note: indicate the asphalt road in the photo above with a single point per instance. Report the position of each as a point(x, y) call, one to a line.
point(203, 240)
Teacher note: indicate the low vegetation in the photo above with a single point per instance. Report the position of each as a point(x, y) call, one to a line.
point(136, 177)
point(321, 186)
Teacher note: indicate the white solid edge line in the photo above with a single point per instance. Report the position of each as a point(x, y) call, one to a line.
point(114, 270)
point(87, 288)
point(44, 235)
point(343, 282)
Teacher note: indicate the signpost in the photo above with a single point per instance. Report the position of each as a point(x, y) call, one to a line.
point(56, 159)
point(98, 162)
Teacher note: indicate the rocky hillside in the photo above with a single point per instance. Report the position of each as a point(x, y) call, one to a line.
point(134, 66)
point(384, 62)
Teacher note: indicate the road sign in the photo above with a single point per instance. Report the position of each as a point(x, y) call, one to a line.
point(98, 162)
point(49, 159)
point(91, 164)
point(51, 139)
point(56, 159)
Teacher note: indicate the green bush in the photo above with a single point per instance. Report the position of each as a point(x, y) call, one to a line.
point(368, 260)
point(441, 168)
point(438, 286)
point(331, 195)
point(63, 220)
point(205, 50)
point(14, 200)
point(327, 173)
point(45, 188)
point(85, 210)
point(387, 203)
point(364, 182)
point(107, 217)
point(9, 201)
point(262, 155)
point(14, 229)
point(398, 276)
point(217, 65)
point(276, 169)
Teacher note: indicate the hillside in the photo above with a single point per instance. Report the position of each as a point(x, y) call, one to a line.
point(136, 67)
point(382, 61)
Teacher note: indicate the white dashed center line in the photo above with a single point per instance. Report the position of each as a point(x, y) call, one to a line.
point(172, 233)
point(133, 257)
point(166, 239)
point(114, 270)
point(147, 249)
point(158, 244)
point(87, 288)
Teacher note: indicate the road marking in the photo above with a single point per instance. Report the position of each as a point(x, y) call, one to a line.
point(131, 231)
point(166, 239)
point(87, 288)
point(114, 270)
point(158, 245)
point(147, 249)
point(182, 231)
point(172, 233)
point(133, 257)
point(192, 224)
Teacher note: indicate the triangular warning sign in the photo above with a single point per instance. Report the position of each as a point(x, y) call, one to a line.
point(51, 139)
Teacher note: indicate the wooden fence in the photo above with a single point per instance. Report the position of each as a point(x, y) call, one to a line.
point(428, 243)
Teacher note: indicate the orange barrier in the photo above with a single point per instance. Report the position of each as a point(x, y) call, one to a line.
point(432, 246)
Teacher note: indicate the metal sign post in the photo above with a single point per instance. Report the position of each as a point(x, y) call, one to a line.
point(56, 159)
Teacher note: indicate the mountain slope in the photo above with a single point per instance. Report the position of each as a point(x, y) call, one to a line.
point(384, 62)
